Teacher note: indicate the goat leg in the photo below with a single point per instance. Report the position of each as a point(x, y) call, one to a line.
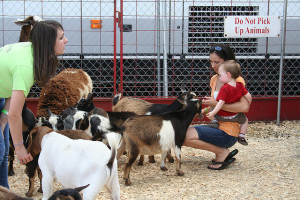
point(40, 190)
point(151, 159)
point(163, 161)
point(141, 161)
point(11, 161)
point(170, 157)
point(178, 161)
point(133, 154)
point(30, 170)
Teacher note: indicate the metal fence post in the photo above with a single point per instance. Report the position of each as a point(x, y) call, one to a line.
point(281, 60)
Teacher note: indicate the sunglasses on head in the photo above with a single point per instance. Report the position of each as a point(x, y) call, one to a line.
point(217, 48)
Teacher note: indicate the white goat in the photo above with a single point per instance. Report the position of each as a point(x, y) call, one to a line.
point(74, 163)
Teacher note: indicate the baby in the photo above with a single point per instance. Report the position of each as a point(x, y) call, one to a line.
point(231, 92)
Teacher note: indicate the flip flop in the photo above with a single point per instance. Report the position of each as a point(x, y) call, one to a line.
point(223, 164)
point(230, 155)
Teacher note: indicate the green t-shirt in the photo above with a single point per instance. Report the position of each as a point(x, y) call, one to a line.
point(16, 68)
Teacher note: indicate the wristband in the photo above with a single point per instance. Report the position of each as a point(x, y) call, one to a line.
point(206, 111)
point(5, 111)
point(18, 144)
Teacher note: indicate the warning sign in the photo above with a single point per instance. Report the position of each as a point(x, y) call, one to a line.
point(251, 26)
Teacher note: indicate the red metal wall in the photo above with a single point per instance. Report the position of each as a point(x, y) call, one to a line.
point(262, 109)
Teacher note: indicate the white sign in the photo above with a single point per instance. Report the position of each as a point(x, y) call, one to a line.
point(251, 26)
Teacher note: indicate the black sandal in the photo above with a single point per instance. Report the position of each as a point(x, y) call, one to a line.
point(230, 155)
point(242, 141)
point(223, 164)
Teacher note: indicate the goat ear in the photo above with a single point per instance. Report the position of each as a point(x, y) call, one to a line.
point(49, 112)
point(81, 188)
point(21, 22)
point(188, 94)
point(90, 97)
point(30, 136)
point(182, 88)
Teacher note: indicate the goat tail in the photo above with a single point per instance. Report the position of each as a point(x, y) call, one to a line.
point(116, 98)
point(114, 141)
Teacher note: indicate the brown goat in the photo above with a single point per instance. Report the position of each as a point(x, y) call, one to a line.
point(63, 91)
point(27, 25)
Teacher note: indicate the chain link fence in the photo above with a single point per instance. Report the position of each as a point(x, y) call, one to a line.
point(151, 48)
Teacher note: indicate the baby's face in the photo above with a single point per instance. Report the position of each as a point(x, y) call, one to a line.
point(223, 74)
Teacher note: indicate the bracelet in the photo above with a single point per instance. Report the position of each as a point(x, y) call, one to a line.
point(19, 144)
point(206, 111)
point(5, 111)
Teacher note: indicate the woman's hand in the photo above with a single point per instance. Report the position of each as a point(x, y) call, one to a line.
point(210, 115)
point(23, 155)
point(209, 101)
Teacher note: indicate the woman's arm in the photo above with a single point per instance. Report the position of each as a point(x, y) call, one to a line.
point(242, 106)
point(15, 125)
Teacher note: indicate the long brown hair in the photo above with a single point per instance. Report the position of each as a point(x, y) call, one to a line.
point(43, 37)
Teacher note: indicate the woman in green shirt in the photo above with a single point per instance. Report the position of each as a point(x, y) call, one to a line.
point(21, 65)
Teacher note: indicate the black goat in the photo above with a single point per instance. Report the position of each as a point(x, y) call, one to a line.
point(28, 123)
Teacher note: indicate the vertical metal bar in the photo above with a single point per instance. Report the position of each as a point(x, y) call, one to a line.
point(115, 46)
point(158, 49)
point(281, 60)
point(165, 66)
point(121, 45)
point(182, 29)
point(81, 37)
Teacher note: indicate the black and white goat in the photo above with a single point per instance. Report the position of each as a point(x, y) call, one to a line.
point(64, 194)
point(142, 107)
point(149, 135)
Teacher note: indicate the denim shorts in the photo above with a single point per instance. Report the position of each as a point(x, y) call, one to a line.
point(215, 136)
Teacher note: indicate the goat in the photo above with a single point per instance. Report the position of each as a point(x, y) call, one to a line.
point(76, 162)
point(27, 25)
point(34, 148)
point(151, 134)
point(96, 121)
point(142, 107)
point(28, 123)
point(63, 91)
point(68, 194)
point(64, 194)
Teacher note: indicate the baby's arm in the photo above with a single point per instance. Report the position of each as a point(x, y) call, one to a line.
point(218, 107)
point(248, 97)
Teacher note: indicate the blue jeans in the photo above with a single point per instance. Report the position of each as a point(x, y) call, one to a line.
point(215, 136)
point(4, 148)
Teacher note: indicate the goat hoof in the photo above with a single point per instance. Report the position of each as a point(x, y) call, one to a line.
point(171, 160)
point(164, 168)
point(140, 163)
point(127, 182)
point(11, 173)
point(29, 194)
point(151, 159)
point(180, 173)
